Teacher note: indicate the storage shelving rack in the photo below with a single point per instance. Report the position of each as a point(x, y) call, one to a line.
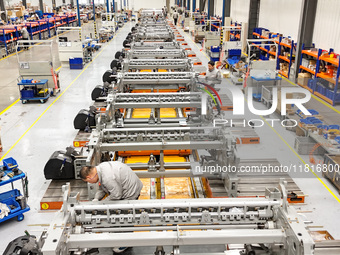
point(257, 34)
point(288, 60)
point(318, 84)
point(38, 30)
point(15, 201)
point(311, 54)
point(235, 35)
point(8, 35)
point(332, 95)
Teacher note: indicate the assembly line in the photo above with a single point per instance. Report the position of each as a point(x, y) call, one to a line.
point(164, 121)
point(179, 122)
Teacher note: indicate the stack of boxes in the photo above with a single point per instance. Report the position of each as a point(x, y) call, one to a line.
point(19, 10)
point(303, 78)
point(290, 110)
point(284, 67)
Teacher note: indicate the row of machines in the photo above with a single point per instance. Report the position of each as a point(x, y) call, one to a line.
point(152, 114)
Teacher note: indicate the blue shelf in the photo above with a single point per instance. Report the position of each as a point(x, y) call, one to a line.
point(16, 206)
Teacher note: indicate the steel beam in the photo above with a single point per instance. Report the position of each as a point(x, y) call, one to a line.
point(226, 10)
point(41, 5)
point(2, 5)
point(306, 29)
point(166, 174)
point(182, 145)
point(253, 20)
point(168, 6)
point(239, 236)
point(24, 3)
point(211, 8)
point(108, 6)
point(202, 5)
point(78, 14)
point(125, 105)
point(174, 228)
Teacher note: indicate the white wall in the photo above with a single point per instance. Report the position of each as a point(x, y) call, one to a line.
point(138, 4)
point(327, 25)
point(239, 10)
point(218, 7)
point(281, 16)
point(32, 2)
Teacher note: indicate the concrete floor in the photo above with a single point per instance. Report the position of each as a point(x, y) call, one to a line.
point(9, 91)
point(40, 129)
point(323, 200)
point(32, 132)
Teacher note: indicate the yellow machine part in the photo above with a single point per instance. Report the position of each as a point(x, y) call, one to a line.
point(43, 91)
point(335, 131)
point(168, 113)
point(145, 159)
point(146, 71)
point(141, 113)
point(162, 70)
point(171, 158)
point(137, 159)
point(145, 113)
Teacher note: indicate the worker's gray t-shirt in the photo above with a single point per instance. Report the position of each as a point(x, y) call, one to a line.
point(24, 33)
point(118, 181)
point(213, 77)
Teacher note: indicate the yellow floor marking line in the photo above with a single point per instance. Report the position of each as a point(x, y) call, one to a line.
point(9, 106)
point(290, 147)
point(35, 122)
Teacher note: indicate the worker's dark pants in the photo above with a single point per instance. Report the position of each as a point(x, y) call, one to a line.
point(25, 44)
point(175, 21)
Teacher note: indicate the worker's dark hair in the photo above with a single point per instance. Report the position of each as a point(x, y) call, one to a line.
point(85, 171)
point(211, 63)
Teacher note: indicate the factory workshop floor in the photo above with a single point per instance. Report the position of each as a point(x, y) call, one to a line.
point(32, 132)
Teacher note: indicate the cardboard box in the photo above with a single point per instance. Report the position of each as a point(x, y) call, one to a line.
point(312, 62)
point(299, 131)
point(305, 75)
point(19, 14)
point(226, 74)
point(303, 81)
point(288, 106)
point(265, 33)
